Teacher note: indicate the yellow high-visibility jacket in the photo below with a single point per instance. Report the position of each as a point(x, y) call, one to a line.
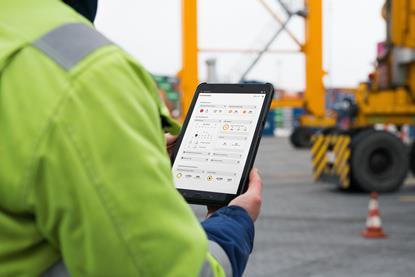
point(84, 173)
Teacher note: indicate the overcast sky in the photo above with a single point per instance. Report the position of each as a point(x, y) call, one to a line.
point(151, 31)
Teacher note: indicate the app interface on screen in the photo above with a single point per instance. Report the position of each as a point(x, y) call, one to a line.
point(215, 147)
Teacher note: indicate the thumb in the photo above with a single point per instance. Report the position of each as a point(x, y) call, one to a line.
point(255, 182)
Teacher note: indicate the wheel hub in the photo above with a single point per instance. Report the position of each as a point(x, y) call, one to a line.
point(380, 161)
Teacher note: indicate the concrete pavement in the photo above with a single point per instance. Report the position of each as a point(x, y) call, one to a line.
point(309, 229)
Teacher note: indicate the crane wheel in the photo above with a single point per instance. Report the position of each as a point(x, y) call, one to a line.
point(301, 137)
point(379, 161)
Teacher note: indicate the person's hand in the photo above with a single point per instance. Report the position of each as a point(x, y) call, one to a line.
point(170, 143)
point(251, 200)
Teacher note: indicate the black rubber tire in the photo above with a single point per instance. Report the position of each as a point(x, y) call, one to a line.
point(412, 158)
point(301, 137)
point(379, 161)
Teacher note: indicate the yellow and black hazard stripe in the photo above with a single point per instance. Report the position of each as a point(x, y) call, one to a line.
point(341, 165)
point(318, 154)
point(330, 156)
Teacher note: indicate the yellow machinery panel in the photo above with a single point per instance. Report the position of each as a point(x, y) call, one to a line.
point(384, 107)
point(287, 102)
point(402, 23)
point(312, 121)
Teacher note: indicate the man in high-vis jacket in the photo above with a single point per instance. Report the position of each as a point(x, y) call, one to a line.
point(85, 179)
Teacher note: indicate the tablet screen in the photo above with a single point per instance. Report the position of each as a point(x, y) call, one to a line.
point(216, 144)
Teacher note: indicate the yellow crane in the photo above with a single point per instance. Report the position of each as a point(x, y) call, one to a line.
point(314, 95)
point(355, 154)
point(358, 155)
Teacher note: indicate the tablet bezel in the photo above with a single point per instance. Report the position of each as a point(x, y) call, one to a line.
point(215, 198)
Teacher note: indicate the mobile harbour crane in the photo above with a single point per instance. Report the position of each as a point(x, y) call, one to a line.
point(356, 155)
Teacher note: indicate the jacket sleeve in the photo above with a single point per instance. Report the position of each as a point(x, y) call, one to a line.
point(233, 229)
point(103, 192)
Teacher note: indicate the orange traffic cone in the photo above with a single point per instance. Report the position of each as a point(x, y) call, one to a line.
point(373, 223)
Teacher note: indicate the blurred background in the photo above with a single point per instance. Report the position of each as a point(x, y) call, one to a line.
point(151, 31)
point(340, 132)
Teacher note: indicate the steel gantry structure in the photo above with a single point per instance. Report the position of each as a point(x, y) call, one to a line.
point(314, 96)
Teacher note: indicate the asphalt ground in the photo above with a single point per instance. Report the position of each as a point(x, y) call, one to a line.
point(312, 229)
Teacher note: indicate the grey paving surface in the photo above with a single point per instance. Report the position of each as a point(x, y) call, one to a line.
point(309, 229)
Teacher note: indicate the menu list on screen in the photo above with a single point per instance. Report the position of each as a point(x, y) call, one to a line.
point(216, 144)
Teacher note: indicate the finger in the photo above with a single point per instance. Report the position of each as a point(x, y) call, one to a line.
point(170, 139)
point(255, 182)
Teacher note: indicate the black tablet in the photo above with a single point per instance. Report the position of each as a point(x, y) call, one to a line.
point(219, 140)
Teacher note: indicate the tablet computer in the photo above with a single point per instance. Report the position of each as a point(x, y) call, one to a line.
point(216, 148)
